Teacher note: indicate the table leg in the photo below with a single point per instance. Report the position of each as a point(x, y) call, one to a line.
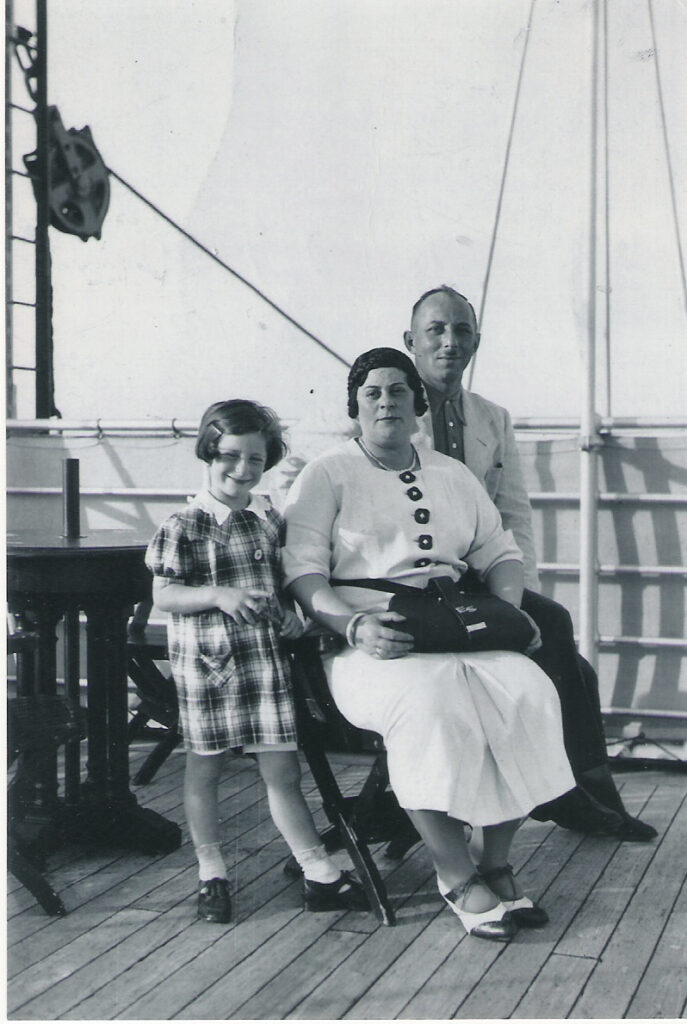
point(114, 815)
point(35, 787)
point(72, 676)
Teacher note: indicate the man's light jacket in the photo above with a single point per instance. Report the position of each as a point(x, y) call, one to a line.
point(492, 455)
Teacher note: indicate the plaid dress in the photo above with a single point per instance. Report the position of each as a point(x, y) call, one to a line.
point(232, 680)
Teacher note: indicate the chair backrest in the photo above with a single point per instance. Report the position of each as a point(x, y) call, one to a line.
point(154, 687)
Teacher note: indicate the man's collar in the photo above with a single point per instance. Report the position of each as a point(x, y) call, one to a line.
point(437, 398)
point(208, 503)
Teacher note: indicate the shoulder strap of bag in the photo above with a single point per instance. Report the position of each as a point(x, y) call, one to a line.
point(388, 586)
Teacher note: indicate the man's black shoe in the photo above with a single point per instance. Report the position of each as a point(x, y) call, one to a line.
point(599, 783)
point(580, 812)
point(214, 902)
point(635, 831)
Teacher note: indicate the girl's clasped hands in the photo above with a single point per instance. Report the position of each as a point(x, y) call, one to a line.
point(248, 605)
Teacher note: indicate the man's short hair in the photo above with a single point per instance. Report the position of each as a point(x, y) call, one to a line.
point(447, 290)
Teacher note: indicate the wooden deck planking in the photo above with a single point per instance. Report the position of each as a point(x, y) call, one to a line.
point(599, 914)
point(555, 988)
point(153, 947)
point(433, 947)
point(133, 949)
point(72, 864)
point(407, 887)
point(210, 978)
point(456, 980)
point(99, 924)
point(250, 902)
point(662, 991)
point(106, 870)
point(356, 982)
point(510, 978)
point(615, 979)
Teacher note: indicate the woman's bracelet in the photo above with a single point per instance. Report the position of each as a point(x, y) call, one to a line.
point(352, 626)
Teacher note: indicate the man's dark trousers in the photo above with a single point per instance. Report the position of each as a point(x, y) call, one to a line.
point(575, 680)
point(595, 805)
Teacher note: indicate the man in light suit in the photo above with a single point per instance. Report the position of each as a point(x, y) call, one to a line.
point(443, 338)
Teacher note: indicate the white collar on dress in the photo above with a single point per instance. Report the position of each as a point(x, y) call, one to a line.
point(259, 504)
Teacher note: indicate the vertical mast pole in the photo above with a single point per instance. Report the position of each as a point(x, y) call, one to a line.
point(9, 319)
point(589, 420)
point(44, 340)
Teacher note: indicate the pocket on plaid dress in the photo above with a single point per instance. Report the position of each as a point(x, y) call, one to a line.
point(218, 670)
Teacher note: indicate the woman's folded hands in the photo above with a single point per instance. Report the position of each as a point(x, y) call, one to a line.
point(375, 634)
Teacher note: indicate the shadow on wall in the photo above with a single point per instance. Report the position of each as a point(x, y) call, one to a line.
point(135, 482)
point(631, 533)
point(640, 532)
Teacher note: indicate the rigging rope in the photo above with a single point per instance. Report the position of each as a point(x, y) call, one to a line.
point(669, 162)
point(226, 267)
point(499, 203)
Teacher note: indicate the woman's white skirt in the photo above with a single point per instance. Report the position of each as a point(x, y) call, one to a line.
point(478, 736)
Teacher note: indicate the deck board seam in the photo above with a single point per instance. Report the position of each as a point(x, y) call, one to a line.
point(650, 861)
point(659, 937)
point(256, 783)
point(275, 838)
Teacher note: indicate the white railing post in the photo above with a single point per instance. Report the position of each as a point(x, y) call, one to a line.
point(589, 420)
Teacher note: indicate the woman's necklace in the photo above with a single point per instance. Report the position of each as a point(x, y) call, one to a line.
point(414, 462)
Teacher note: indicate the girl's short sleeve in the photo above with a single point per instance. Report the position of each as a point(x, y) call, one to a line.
point(169, 552)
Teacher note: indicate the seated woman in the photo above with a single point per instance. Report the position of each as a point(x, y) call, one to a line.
point(473, 738)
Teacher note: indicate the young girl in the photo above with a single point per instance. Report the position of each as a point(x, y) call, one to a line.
point(217, 571)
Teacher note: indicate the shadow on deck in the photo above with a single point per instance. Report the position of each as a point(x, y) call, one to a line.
point(131, 946)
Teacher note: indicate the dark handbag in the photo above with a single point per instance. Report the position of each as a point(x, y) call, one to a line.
point(442, 617)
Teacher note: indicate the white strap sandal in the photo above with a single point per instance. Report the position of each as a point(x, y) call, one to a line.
point(495, 924)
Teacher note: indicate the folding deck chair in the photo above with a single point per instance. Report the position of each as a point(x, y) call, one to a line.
point(374, 814)
point(158, 700)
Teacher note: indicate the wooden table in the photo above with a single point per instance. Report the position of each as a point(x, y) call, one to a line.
point(103, 574)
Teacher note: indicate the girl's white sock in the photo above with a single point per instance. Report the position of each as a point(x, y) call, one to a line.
point(210, 862)
point(442, 886)
point(317, 865)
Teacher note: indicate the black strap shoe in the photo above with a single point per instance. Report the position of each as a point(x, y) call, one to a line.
point(214, 902)
point(346, 893)
point(524, 912)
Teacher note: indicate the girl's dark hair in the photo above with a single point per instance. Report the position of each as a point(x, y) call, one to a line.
point(240, 416)
point(376, 359)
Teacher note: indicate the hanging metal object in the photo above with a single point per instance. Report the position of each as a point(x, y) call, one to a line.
point(26, 52)
point(79, 182)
